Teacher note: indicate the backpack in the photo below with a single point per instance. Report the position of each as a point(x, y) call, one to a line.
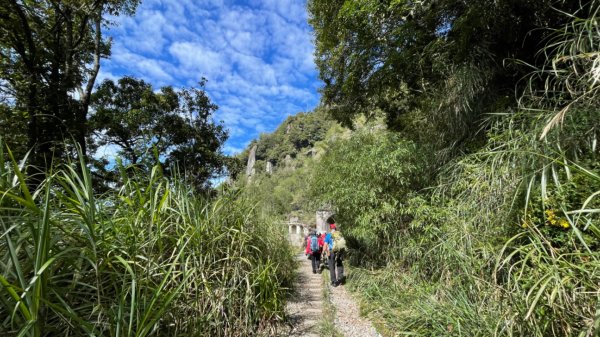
point(339, 243)
point(314, 244)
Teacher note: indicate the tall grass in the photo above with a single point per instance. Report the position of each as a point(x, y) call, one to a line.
point(149, 259)
point(508, 244)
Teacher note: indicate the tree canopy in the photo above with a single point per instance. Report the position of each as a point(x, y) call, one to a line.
point(453, 61)
point(174, 127)
point(50, 55)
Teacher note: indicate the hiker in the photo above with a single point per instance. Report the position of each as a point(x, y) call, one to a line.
point(313, 249)
point(306, 242)
point(322, 263)
point(335, 246)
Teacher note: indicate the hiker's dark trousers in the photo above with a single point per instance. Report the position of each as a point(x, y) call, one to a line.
point(316, 261)
point(336, 266)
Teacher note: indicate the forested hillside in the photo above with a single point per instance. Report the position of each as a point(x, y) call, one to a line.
point(296, 134)
point(291, 151)
point(468, 186)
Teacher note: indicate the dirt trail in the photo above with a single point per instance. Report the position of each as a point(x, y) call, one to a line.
point(347, 319)
point(305, 309)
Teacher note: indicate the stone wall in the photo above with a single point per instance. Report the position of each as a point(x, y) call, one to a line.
point(322, 215)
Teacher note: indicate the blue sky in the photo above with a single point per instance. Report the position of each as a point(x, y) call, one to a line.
point(257, 56)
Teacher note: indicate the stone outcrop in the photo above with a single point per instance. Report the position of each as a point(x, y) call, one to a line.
point(251, 161)
point(269, 168)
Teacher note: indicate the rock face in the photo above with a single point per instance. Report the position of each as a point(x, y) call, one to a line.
point(251, 161)
point(269, 168)
point(311, 153)
point(288, 161)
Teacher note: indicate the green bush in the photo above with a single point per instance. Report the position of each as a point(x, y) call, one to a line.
point(369, 177)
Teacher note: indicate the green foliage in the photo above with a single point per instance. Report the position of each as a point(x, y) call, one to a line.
point(369, 177)
point(326, 325)
point(483, 212)
point(295, 134)
point(151, 259)
point(13, 123)
point(285, 192)
point(401, 305)
point(571, 73)
point(48, 51)
point(447, 59)
point(174, 127)
point(465, 263)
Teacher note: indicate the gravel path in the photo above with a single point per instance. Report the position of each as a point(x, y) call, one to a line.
point(304, 310)
point(348, 320)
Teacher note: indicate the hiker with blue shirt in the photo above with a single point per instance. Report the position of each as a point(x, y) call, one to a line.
point(313, 250)
point(334, 247)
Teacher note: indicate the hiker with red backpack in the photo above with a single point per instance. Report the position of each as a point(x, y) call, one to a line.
point(335, 246)
point(314, 249)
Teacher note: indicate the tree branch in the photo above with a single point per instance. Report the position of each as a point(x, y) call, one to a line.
point(96, 66)
point(29, 61)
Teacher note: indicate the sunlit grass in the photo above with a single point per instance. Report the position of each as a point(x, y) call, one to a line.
point(150, 259)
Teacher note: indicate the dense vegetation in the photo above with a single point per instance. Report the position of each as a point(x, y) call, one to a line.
point(290, 149)
point(173, 127)
point(466, 179)
point(469, 187)
point(296, 134)
point(482, 209)
point(135, 244)
point(151, 258)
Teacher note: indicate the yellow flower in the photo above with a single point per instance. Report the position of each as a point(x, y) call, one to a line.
point(524, 225)
point(563, 223)
point(550, 215)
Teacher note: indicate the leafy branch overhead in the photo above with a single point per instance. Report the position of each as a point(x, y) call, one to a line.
point(449, 60)
point(50, 55)
point(174, 127)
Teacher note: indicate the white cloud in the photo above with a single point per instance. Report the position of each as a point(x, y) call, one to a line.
point(148, 68)
point(294, 11)
point(198, 59)
point(257, 57)
point(254, 69)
